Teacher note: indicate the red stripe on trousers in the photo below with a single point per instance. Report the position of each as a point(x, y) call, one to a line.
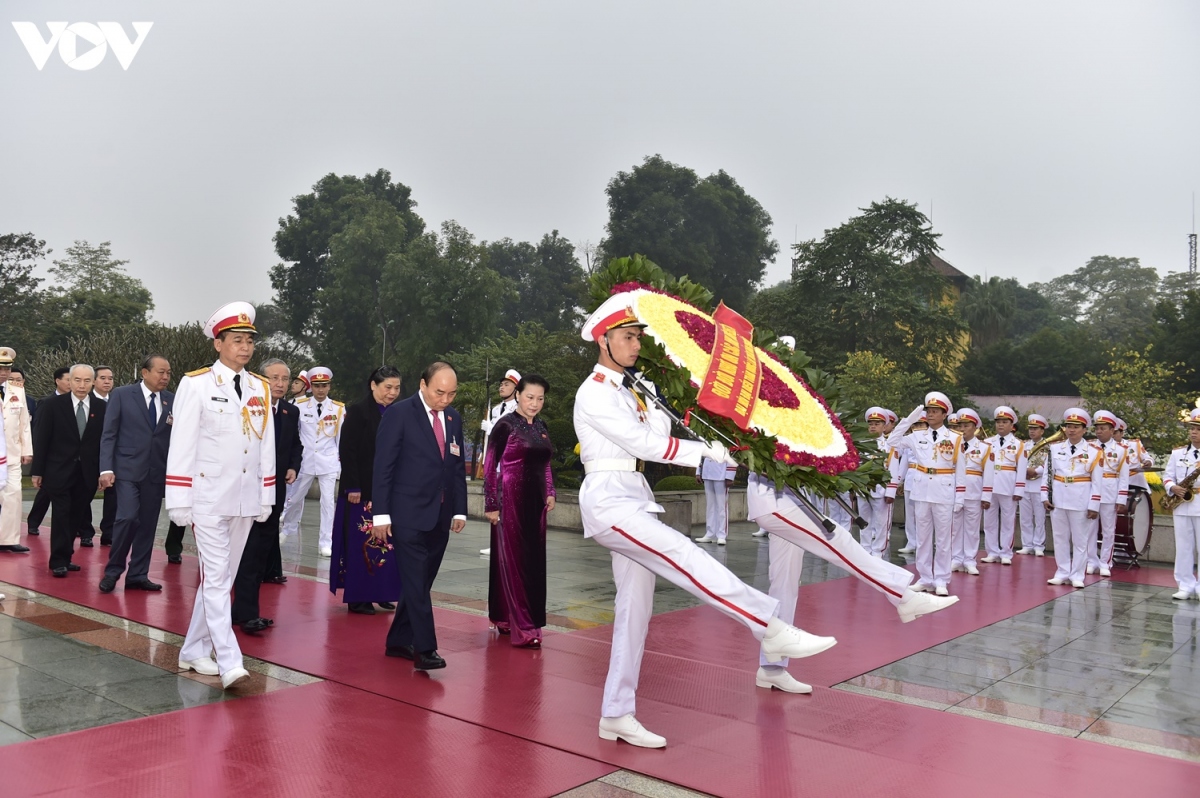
point(693, 580)
point(850, 565)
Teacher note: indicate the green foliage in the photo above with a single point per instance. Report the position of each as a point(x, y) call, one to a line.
point(20, 301)
point(92, 294)
point(987, 308)
point(1045, 364)
point(548, 280)
point(1177, 322)
point(1143, 392)
point(676, 483)
point(640, 269)
point(709, 229)
point(1112, 297)
point(870, 379)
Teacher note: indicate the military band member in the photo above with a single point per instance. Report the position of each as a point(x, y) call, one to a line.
point(908, 472)
point(1139, 458)
point(14, 416)
point(874, 537)
point(1076, 504)
point(1114, 491)
point(715, 476)
point(616, 427)
point(508, 404)
point(1032, 512)
point(1008, 485)
point(320, 435)
point(965, 545)
point(1183, 463)
point(939, 487)
point(220, 479)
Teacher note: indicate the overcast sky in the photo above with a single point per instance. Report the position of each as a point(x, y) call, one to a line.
point(1039, 134)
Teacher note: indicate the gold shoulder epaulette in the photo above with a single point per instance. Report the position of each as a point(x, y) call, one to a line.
point(198, 372)
point(339, 404)
point(301, 400)
point(261, 377)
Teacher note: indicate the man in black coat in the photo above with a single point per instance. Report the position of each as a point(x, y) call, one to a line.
point(66, 462)
point(264, 536)
point(41, 502)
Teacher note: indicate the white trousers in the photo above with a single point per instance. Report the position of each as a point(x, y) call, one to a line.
point(999, 526)
point(876, 535)
point(935, 531)
point(716, 501)
point(910, 522)
point(293, 510)
point(10, 505)
point(1072, 528)
point(1187, 534)
point(643, 547)
point(1104, 528)
point(784, 570)
point(964, 544)
point(1033, 521)
point(219, 544)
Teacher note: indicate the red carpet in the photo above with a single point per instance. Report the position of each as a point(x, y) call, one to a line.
point(726, 737)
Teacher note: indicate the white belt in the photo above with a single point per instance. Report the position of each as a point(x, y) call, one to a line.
point(611, 464)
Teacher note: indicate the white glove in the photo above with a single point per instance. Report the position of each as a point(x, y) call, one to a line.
point(181, 516)
point(915, 415)
point(266, 513)
point(958, 508)
point(486, 426)
point(645, 386)
point(717, 452)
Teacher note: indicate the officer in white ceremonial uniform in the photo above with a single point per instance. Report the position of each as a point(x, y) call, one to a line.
point(874, 537)
point(1139, 458)
point(1184, 461)
point(220, 479)
point(939, 487)
point(1114, 492)
point(1032, 511)
point(716, 477)
point(1011, 459)
point(508, 404)
point(320, 434)
point(1076, 500)
point(965, 544)
point(616, 427)
point(300, 386)
point(14, 416)
point(907, 475)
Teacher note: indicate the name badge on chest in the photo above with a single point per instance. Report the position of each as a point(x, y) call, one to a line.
point(455, 449)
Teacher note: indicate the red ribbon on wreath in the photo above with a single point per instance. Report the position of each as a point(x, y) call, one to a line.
point(730, 388)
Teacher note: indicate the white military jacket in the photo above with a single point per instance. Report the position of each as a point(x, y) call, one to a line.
point(1139, 459)
point(320, 433)
point(1011, 459)
point(222, 456)
point(715, 472)
point(941, 467)
point(980, 471)
point(1113, 472)
point(616, 429)
point(1076, 482)
point(17, 437)
point(1184, 461)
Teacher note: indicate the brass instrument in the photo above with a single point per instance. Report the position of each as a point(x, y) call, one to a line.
point(1037, 455)
point(1171, 501)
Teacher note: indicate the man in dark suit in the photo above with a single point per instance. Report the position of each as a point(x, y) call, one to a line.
point(102, 389)
point(41, 502)
point(66, 462)
point(420, 496)
point(133, 465)
point(262, 547)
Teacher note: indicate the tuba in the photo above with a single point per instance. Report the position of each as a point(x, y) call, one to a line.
point(1037, 455)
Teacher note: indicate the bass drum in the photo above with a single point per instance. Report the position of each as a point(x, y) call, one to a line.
point(1134, 524)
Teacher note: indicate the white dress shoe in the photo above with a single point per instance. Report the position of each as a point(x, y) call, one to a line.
point(782, 640)
point(1006, 560)
point(907, 550)
point(920, 587)
point(989, 558)
point(706, 539)
point(954, 569)
point(941, 590)
point(1058, 580)
point(628, 729)
point(486, 552)
point(972, 570)
point(780, 679)
point(1040, 552)
point(1105, 572)
point(1182, 595)
point(326, 551)
point(1, 597)
point(1091, 569)
point(233, 677)
point(914, 605)
point(1024, 550)
point(761, 533)
point(720, 541)
point(1076, 583)
point(205, 666)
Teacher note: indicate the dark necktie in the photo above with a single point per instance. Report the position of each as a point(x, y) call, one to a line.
point(1, 392)
point(1072, 448)
point(318, 411)
point(438, 433)
point(80, 418)
point(237, 385)
point(935, 436)
point(150, 411)
point(1001, 441)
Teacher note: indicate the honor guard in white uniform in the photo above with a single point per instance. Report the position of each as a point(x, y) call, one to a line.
point(1032, 511)
point(1076, 497)
point(716, 476)
point(965, 544)
point(220, 479)
point(1139, 458)
point(1114, 492)
point(1184, 463)
point(320, 433)
point(908, 474)
point(1011, 458)
point(874, 537)
point(300, 386)
point(508, 404)
point(939, 487)
point(14, 416)
point(616, 427)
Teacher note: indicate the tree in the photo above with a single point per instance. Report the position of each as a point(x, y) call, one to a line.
point(708, 229)
point(1177, 320)
point(92, 294)
point(987, 309)
point(868, 285)
point(21, 300)
point(1144, 393)
point(1113, 297)
point(1046, 363)
point(548, 281)
point(869, 379)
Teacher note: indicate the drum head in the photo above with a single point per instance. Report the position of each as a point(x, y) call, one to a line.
point(1142, 522)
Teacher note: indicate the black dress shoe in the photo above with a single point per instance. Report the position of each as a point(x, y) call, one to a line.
point(386, 605)
point(144, 584)
point(72, 566)
point(108, 584)
point(15, 547)
point(428, 661)
point(104, 542)
point(86, 543)
point(361, 608)
point(33, 530)
point(275, 580)
point(403, 652)
point(255, 625)
point(175, 560)
point(59, 572)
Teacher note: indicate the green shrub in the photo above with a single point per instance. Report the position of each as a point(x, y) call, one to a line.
point(675, 483)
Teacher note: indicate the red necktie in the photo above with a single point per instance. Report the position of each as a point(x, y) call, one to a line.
point(439, 434)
